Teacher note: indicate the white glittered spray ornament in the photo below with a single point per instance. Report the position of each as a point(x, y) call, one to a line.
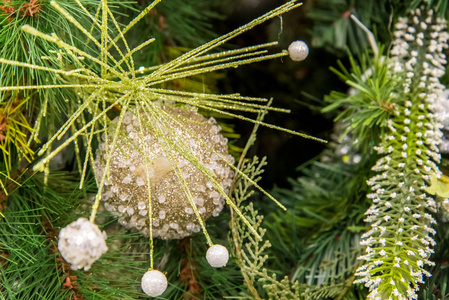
point(81, 243)
point(141, 156)
point(298, 50)
point(149, 165)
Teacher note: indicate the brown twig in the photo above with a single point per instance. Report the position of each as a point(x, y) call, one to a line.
point(188, 274)
point(30, 9)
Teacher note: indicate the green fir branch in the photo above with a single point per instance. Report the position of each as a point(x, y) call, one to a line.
point(370, 102)
point(28, 261)
point(320, 233)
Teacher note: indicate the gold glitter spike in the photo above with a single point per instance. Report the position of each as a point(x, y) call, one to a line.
point(94, 19)
point(67, 124)
point(168, 76)
point(54, 39)
point(124, 58)
point(226, 53)
point(80, 27)
point(137, 19)
point(236, 97)
point(62, 131)
point(181, 177)
point(130, 53)
point(192, 67)
point(228, 104)
point(35, 134)
point(261, 123)
point(56, 71)
point(86, 159)
point(150, 204)
point(39, 166)
point(108, 161)
point(42, 87)
point(104, 40)
point(128, 56)
point(186, 190)
point(192, 159)
point(220, 40)
point(77, 151)
point(231, 165)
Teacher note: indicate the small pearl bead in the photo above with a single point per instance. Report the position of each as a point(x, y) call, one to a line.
point(217, 256)
point(298, 50)
point(154, 283)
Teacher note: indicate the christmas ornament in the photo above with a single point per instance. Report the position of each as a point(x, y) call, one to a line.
point(163, 171)
point(154, 283)
point(81, 243)
point(217, 256)
point(126, 190)
point(298, 50)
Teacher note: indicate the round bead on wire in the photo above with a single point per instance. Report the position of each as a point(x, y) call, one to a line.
point(217, 256)
point(154, 283)
point(298, 50)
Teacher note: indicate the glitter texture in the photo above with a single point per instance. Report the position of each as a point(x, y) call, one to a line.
point(81, 243)
point(298, 50)
point(126, 191)
point(217, 256)
point(154, 283)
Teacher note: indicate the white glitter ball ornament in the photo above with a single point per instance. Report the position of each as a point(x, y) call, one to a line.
point(154, 283)
point(217, 256)
point(126, 191)
point(298, 50)
point(81, 243)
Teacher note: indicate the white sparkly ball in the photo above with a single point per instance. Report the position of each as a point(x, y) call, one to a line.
point(154, 283)
point(217, 256)
point(81, 243)
point(298, 50)
point(125, 191)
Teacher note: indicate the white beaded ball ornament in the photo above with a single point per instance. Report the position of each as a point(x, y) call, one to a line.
point(126, 191)
point(81, 243)
point(298, 50)
point(154, 283)
point(217, 256)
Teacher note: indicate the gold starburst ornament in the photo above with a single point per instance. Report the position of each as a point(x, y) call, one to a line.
point(161, 167)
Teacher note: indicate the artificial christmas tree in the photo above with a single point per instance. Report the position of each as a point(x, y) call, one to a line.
point(110, 112)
